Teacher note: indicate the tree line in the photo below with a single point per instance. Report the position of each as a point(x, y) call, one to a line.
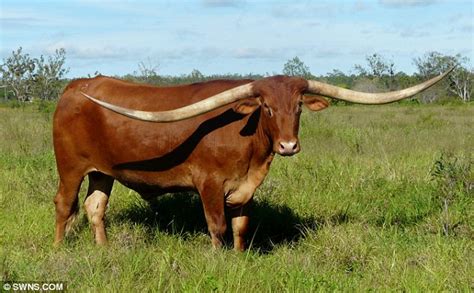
point(24, 78)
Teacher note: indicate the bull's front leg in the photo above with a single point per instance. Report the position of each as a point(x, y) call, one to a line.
point(213, 203)
point(240, 222)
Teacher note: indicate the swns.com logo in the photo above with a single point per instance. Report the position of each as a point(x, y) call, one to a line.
point(31, 286)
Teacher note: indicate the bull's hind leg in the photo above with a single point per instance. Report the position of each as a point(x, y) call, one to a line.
point(100, 186)
point(67, 207)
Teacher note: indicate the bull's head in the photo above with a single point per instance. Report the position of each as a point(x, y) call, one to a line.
point(280, 100)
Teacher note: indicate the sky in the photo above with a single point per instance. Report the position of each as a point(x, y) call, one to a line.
point(234, 36)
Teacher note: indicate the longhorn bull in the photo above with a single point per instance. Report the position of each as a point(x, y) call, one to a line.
point(217, 138)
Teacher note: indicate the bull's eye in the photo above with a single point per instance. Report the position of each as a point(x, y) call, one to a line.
point(299, 107)
point(268, 109)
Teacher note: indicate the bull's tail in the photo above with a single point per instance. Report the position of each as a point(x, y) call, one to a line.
point(72, 220)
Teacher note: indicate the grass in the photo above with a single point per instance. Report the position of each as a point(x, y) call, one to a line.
point(380, 198)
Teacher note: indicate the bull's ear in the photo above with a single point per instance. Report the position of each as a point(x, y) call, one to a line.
point(315, 103)
point(247, 106)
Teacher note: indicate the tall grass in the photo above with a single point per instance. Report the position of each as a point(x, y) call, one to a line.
point(380, 198)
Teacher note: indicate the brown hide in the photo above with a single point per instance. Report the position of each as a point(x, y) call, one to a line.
point(224, 155)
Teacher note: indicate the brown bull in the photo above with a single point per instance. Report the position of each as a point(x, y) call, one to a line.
point(220, 141)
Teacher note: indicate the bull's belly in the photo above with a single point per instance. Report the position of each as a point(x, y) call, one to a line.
point(150, 191)
point(234, 197)
point(237, 190)
point(153, 184)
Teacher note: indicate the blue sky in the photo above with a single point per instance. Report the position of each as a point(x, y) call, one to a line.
point(234, 36)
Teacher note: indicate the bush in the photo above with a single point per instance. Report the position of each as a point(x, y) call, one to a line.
point(455, 185)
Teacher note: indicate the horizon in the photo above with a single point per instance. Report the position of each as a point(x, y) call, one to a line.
point(220, 37)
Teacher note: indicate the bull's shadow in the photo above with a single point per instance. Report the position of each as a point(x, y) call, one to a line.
point(181, 153)
point(182, 214)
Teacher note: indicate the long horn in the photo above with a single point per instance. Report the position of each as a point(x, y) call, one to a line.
point(338, 93)
point(201, 107)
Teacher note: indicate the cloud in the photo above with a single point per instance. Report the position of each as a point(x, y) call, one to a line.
point(313, 23)
point(467, 28)
point(91, 51)
point(207, 53)
point(15, 19)
point(327, 53)
point(360, 5)
point(186, 53)
point(221, 3)
point(212, 52)
point(286, 11)
point(106, 52)
point(185, 34)
point(410, 32)
point(461, 23)
point(19, 21)
point(406, 3)
point(254, 53)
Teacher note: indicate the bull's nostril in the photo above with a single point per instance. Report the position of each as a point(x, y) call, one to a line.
point(282, 146)
point(294, 146)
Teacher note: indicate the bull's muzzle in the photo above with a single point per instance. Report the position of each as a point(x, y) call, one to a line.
point(288, 148)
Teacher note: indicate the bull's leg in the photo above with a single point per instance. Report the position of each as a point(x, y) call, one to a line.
point(95, 204)
point(212, 198)
point(240, 221)
point(66, 201)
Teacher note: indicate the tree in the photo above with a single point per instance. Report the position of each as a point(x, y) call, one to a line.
point(379, 69)
point(460, 80)
point(17, 71)
point(148, 71)
point(34, 77)
point(380, 66)
point(339, 78)
point(48, 75)
point(296, 67)
point(196, 75)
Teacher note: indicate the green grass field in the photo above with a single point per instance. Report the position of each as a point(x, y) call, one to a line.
point(380, 198)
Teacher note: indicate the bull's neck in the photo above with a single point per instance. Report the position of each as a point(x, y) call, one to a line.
point(262, 142)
